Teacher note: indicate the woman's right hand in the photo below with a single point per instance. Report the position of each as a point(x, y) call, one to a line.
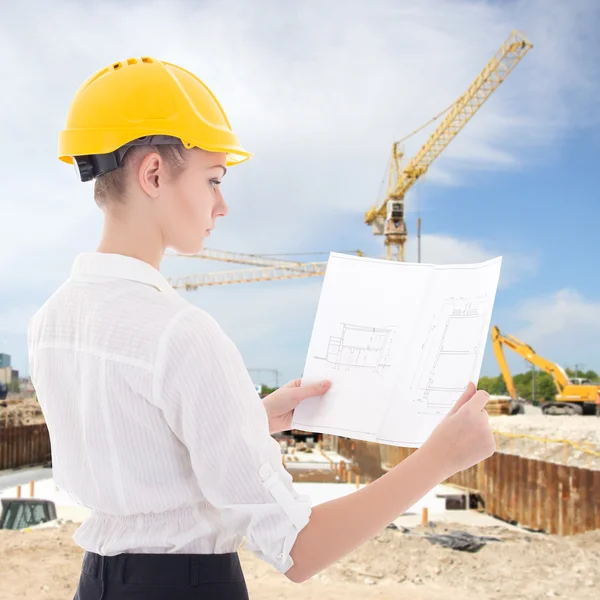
point(464, 438)
point(461, 440)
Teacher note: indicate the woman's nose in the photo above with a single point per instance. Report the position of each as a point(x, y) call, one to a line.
point(221, 209)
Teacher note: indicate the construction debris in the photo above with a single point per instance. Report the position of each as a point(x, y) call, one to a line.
point(460, 540)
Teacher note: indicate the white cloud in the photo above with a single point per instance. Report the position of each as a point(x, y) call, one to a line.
point(564, 316)
point(445, 249)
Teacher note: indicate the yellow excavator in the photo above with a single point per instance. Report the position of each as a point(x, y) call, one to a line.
point(576, 396)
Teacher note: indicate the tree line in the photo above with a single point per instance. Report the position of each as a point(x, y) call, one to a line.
point(544, 387)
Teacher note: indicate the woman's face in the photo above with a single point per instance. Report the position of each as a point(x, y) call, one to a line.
point(191, 201)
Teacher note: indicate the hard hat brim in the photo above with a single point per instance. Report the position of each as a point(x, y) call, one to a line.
point(109, 141)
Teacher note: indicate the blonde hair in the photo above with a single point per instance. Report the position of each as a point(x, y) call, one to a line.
point(110, 187)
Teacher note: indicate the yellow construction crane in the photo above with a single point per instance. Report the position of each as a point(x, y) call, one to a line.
point(266, 269)
point(192, 282)
point(387, 217)
point(575, 396)
point(238, 257)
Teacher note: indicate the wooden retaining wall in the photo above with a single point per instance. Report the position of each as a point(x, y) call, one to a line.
point(366, 455)
point(540, 495)
point(24, 446)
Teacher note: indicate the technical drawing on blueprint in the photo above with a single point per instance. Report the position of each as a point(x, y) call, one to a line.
point(450, 354)
point(399, 343)
point(360, 347)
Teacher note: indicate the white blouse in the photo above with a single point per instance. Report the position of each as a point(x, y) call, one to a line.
point(154, 422)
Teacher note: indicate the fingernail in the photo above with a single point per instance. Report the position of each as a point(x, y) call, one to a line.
point(324, 384)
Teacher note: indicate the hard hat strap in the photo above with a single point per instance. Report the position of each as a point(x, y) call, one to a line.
point(92, 166)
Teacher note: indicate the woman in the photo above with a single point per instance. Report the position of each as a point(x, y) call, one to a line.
point(154, 422)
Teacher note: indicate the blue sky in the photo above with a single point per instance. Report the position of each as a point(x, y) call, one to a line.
point(319, 95)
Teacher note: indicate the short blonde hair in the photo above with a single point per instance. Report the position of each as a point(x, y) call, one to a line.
point(110, 187)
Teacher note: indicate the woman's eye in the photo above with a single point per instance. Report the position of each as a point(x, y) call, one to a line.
point(215, 182)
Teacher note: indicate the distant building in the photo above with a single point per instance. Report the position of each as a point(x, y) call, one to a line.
point(8, 374)
point(5, 374)
point(4, 361)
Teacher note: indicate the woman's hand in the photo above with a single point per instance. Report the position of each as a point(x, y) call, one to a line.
point(464, 437)
point(281, 403)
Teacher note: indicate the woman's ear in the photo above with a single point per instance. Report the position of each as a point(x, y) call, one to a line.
point(150, 174)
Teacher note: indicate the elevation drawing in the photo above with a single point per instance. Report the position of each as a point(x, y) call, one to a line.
point(450, 353)
point(360, 347)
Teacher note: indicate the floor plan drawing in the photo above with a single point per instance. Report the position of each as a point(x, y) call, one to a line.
point(450, 354)
point(360, 347)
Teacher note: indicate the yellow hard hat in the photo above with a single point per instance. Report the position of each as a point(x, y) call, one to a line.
point(143, 98)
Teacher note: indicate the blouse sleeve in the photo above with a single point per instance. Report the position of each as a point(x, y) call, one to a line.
point(210, 402)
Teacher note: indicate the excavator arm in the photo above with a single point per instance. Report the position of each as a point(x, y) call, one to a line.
point(501, 359)
point(558, 374)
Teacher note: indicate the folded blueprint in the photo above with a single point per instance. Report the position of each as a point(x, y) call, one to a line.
point(399, 342)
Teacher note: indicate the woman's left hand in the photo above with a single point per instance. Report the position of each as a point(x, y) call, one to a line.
point(281, 403)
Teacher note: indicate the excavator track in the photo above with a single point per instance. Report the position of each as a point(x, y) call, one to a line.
point(562, 408)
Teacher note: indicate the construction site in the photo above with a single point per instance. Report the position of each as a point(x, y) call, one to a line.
point(522, 524)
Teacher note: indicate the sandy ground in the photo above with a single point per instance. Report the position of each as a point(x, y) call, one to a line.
point(44, 564)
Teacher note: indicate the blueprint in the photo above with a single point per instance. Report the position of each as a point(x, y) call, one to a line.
point(399, 342)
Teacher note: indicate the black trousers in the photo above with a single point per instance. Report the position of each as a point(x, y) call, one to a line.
point(162, 577)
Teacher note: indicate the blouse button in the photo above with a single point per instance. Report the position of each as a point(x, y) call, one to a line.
point(265, 471)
